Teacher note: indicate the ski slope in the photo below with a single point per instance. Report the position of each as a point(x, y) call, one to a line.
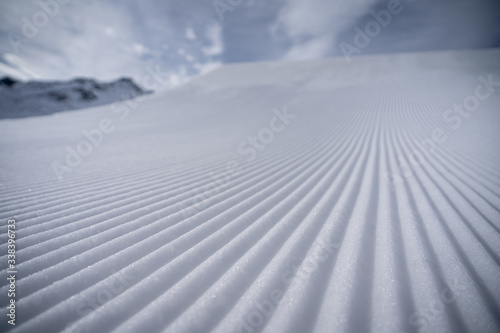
point(301, 197)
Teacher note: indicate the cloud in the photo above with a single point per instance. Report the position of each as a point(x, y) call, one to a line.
point(214, 35)
point(17, 67)
point(71, 44)
point(110, 39)
point(207, 67)
point(427, 25)
point(140, 49)
point(185, 55)
point(314, 26)
point(190, 34)
point(9, 70)
point(110, 32)
point(315, 48)
point(107, 40)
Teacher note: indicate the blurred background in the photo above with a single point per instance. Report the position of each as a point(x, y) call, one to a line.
point(61, 39)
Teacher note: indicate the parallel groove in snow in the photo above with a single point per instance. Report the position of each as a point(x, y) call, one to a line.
point(399, 234)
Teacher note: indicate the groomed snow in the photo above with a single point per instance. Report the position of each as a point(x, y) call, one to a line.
point(269, 197)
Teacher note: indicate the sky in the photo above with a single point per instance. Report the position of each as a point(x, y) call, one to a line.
point(180, 39)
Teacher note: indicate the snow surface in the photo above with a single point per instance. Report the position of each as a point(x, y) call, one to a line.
point(371, 208)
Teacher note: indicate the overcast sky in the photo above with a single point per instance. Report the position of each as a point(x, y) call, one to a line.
point(108, 39)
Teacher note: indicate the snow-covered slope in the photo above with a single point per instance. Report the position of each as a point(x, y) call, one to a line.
point(35, 98)
point(292, 197)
